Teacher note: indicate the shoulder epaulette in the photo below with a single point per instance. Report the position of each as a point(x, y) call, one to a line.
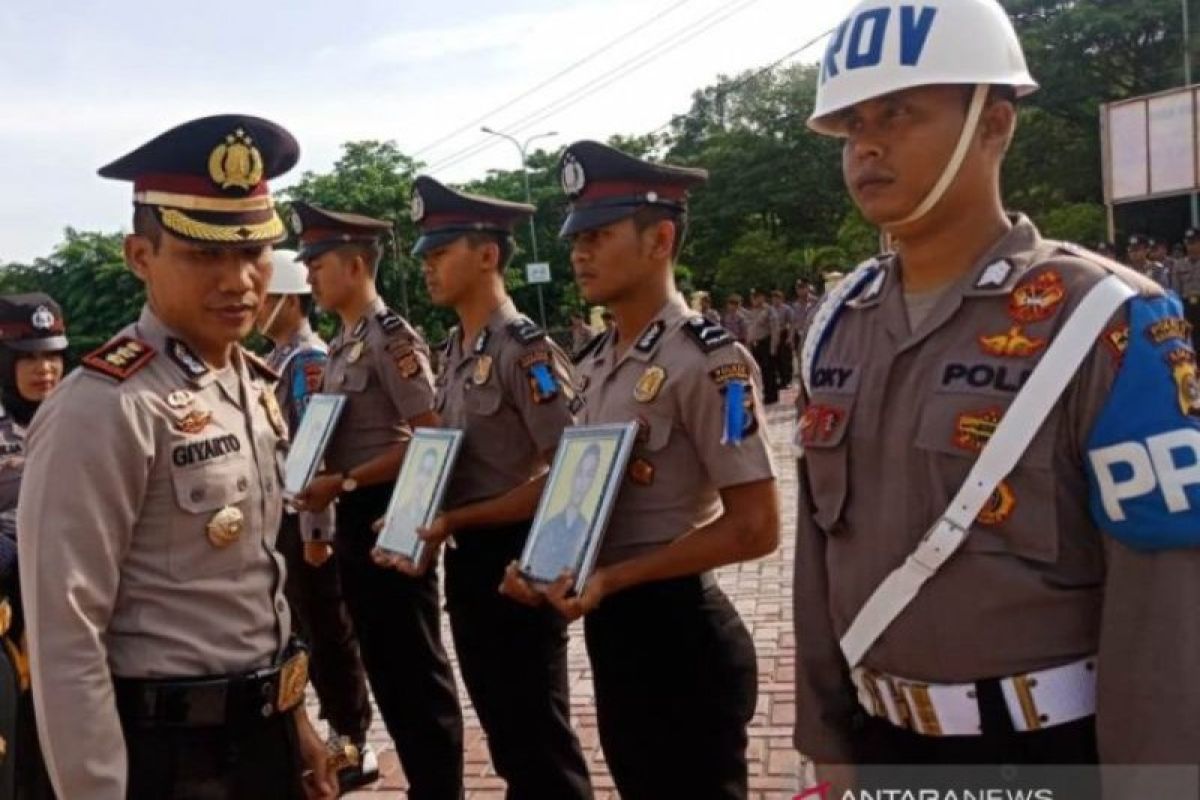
point(708, 336)
point(594, 344)
point(120, 358)
point(390, 321)
point(258, 366)
point(525, 331)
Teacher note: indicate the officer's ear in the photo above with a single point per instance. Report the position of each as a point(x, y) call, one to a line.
point(998, 124)
point(138, 250)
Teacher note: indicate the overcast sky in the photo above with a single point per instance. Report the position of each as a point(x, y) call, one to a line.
point(82, 82)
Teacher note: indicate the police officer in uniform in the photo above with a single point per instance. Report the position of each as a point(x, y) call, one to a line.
point(381, 366)
point(787, 326)
point(1054, 619)
point(1140, 261)
point(313, 588)
point(674, 667)
point(159, 636)
point(507, 386)
point(1187, 282)
point(762, 337)
point(32, 343)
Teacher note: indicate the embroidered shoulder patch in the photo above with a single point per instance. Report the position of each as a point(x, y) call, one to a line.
point(120, 358)
point(525, 331)
point(707, 335)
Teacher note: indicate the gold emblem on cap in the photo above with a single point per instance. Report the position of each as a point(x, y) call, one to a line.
point(225, 527)
point(236, 162)
point(649, 385)
point(274, 412)
point(483, 370)
point(356, 352)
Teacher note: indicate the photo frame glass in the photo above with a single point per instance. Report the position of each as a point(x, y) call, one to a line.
point(312, 437)
point(419, 489)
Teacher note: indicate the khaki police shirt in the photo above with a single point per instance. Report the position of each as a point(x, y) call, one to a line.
point(1187, 280)
point(382, 367)
point(487, 390)
point(895, 421)
point(763, 324)
point(301, 367)
point(122, 479)
point(679, 464)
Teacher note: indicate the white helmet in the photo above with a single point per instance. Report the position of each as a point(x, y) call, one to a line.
point(290, 276)
point(889, 45)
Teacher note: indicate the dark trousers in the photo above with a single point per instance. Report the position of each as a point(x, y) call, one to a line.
point(1191, 312)
point(513, 661)
point(254, 759)
point(761, 350)
point(33, 782)
point(396, 620)
point(676, 683)
point(783, 362)
point(321, 620)
point(929, 761)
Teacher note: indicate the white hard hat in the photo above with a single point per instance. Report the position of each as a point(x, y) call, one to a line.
point(887, 46)
point(290, 276)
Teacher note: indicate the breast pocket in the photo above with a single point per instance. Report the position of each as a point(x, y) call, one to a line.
point(483, 401)
point(1020, 519)
point(354, 379)
point(823, 435)
point(201, 495)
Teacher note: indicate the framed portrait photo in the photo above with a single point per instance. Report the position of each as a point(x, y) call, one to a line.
point(589, 467)
point(308, 445)
point(417, 496)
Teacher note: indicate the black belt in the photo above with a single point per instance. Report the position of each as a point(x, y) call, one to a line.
point(214, 701)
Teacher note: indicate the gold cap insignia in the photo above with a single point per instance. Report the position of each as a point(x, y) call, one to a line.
point(483, 370)
point(236, 162)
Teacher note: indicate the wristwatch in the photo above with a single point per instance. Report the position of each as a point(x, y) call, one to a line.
point(348, 485)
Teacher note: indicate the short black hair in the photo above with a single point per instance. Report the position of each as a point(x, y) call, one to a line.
point(508, 248)
point(371, 253)
point(646, 216)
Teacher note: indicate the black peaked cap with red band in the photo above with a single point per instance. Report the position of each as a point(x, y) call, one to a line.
point(321, 230)
point(443, 214)
point(32, 323)
point(206, 179)
point(605, 185)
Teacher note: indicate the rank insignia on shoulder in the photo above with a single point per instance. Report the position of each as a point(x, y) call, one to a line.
point(183, 356)
point(650, 337)
point(542, 382)
point(1170, 328)
point(274, 413)
point(650, 384)
point(1014, 344)
point(999, 506)
point(260, 367)
point(708, 335)
point(120, 358)
point(390, 321)
point(525, 331)
point(1037, 298)
point(1187, 382)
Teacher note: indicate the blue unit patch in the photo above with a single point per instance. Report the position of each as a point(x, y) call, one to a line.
point(1143, 458)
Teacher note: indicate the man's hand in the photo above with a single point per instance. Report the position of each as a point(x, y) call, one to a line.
point(515, 587)
point(572, 608)
point(317, 553)
point(319, 781)
point(317, 496)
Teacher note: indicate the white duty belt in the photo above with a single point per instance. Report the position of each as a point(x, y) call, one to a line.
point(1012, 437)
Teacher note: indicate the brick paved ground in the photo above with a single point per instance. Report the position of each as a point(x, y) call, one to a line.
point(762, 592)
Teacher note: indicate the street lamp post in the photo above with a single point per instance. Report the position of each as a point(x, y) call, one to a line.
point(523, 149)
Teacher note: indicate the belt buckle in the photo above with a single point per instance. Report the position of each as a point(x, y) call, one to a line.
point(1023, 687)
point(899, 701)
point(293, 678)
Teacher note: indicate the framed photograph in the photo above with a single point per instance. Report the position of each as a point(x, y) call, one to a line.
point(588, 469)
point(308, 445)
point(417, 497)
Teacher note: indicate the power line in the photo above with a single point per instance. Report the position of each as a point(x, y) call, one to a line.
point(565, 71)
point(602, 81)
